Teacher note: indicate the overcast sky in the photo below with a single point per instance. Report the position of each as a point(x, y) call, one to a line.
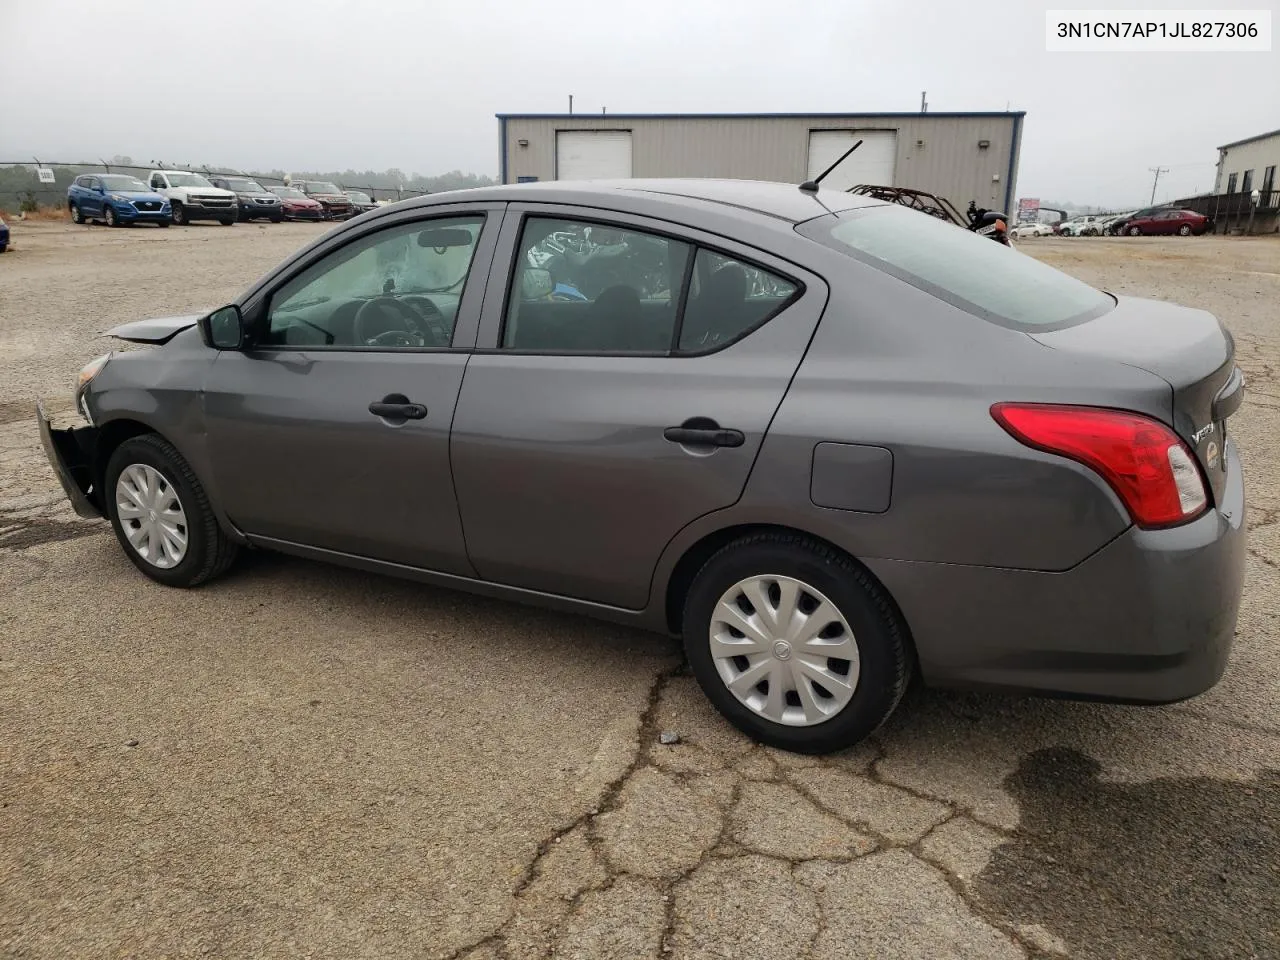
point(415, 84)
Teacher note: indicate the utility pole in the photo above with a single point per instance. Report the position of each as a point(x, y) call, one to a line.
point(571, 104)
point(924, 104)
point(1157, 171)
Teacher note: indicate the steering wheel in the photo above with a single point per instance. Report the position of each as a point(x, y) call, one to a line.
point(374, 325)
point(432, 316)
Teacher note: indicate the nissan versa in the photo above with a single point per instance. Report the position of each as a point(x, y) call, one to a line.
point(829, 441)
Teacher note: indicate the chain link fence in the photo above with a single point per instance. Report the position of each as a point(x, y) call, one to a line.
point(24, 186)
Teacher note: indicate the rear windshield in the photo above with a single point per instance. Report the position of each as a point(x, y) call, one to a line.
point(979, 275)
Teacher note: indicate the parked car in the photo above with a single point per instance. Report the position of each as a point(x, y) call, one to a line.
point(254, 201)
point(116, 199)
point(1087, 226)
point(297, 205)
point(1182, 222)
point(1108, 224)
point(1032, 230)
point(328, 195)
point(1120, 225)
point(4, 235)
point(360, 202)
point(192, 197)
point(871, 443)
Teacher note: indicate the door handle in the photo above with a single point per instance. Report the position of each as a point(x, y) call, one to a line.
point(397, 408)
point(701, 432)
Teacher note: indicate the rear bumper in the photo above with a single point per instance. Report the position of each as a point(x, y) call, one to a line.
point(1149, 618)
point(69, 448)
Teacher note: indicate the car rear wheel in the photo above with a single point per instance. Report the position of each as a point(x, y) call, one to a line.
point(161, 515)
point(162, 223)
point(1134, 231)
point(795, 644)
point(1184, 230)
point(227, 223)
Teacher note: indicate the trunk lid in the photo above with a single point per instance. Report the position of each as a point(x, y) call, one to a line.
point(1187, 348)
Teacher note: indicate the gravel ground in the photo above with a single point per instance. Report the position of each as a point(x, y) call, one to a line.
point(302, 761)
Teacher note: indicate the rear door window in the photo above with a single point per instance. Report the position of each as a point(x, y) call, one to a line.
point(584, 287)
point(729, 299)
point(978, 275)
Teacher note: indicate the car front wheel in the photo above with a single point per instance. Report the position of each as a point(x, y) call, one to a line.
point(76, 215)
point(110, 217)
point(179, 214)
point(1134, 231)
point(161, 515)
point(795, 644)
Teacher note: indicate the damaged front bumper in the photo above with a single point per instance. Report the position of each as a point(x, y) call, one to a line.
point(68, 443)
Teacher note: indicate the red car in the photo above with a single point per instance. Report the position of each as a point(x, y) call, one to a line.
point(297, 205)
point(1182, 222)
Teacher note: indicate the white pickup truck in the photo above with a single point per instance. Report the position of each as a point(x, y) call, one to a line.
point(192, 197)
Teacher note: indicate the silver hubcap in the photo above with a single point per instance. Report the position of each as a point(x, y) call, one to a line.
point(784, 650)
point(151, 515)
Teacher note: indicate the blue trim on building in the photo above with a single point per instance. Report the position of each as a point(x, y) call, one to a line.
point(748, 116)
point(1015, 148)
point(502, 149)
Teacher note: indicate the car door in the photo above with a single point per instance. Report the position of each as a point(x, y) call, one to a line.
point(332, 429)
point(92, 203)
point(625, 375)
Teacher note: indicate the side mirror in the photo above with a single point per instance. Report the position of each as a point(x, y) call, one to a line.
point(223, 329)
point(535, 283)
point(99, 189)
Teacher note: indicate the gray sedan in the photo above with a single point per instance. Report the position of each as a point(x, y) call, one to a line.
point(831, 442)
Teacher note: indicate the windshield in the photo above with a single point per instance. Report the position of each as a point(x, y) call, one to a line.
point(187, 180)
point(321, 186)
point(115, 181)
point(241, 185)
point(293, 193)
point(972, 272)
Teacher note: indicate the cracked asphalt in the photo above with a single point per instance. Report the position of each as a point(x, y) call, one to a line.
point(303, 761)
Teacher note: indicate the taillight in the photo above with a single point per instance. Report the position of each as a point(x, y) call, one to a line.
point(1145, 462)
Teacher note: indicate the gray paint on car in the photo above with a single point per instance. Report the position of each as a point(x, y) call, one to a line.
point(546, 478)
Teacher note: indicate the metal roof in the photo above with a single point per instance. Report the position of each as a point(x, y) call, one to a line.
point(1261, 136)
point(752, 116)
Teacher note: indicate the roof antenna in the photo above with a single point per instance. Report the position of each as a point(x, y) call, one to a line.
point(811, 186)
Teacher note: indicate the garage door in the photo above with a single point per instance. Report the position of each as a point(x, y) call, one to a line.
point(870, 163)
point(593, 154)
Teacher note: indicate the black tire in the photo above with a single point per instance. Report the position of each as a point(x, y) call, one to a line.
point(209, 551)
point(109, 217)
point(162, 223)
point(1184, 230)
point(76, 215)
point(179, 214)
point(277, 219)
point(885, 660)
point(227, 223)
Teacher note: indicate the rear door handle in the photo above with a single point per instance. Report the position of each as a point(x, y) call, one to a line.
point(701, 436)
point(397, 408)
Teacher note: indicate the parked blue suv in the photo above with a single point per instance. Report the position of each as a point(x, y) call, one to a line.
point(117, 199)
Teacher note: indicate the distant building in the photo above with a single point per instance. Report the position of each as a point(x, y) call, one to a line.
point(1243, 167)
point(959, 156)
point(1248, 165)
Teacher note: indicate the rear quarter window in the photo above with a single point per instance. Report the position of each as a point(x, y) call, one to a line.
point(978, 275)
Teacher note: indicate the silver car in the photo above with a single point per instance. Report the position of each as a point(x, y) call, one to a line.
point(831, 442)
